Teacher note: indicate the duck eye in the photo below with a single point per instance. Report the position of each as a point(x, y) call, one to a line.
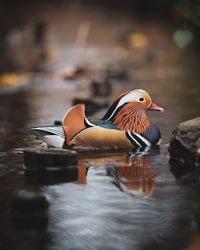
point(141, 99)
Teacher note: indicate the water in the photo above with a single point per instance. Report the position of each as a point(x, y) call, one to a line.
point(113, 200)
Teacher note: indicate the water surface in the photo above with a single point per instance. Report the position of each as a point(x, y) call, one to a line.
point(113, 200)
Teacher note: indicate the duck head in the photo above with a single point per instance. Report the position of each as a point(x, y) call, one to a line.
point(128, 111)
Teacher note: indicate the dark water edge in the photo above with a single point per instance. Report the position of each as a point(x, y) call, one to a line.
point(113, 200)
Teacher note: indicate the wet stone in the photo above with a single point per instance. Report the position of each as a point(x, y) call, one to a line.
point(49, 157)
point(184, 142)
point(30, 210)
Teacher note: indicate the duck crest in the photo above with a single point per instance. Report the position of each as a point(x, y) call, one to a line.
point(132, 118)
point(112, 108)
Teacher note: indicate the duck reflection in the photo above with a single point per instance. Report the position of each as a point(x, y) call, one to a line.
point(98, 161)
point(134, 178)
point(129, 172)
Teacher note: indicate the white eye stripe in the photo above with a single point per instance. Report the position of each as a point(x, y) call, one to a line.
point(132, 96)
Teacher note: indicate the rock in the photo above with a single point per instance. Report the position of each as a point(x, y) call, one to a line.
point(115, 70)
point(184, 143)
point(49, 157)
point(30, 200)
point(185, 174)
point(30, 210)
point(56, 122)
point(74, 72)
point(92, 105)
point(101, 86)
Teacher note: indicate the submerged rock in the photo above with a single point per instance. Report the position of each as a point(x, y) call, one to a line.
point(30, 210)
point(185, 174)
point(185, 142)
point(49, 157)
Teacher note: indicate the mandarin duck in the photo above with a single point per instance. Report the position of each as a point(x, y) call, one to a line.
point(125, 125)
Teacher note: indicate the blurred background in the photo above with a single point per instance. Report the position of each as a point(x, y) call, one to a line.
point(91, 51)
point(56, 53)
point(47, 35)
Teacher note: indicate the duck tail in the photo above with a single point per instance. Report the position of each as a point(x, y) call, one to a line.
point(53, 135)
point(48, 130)
point(74, 122)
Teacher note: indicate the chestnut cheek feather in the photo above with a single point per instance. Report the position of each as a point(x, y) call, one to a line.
point(132, 119)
